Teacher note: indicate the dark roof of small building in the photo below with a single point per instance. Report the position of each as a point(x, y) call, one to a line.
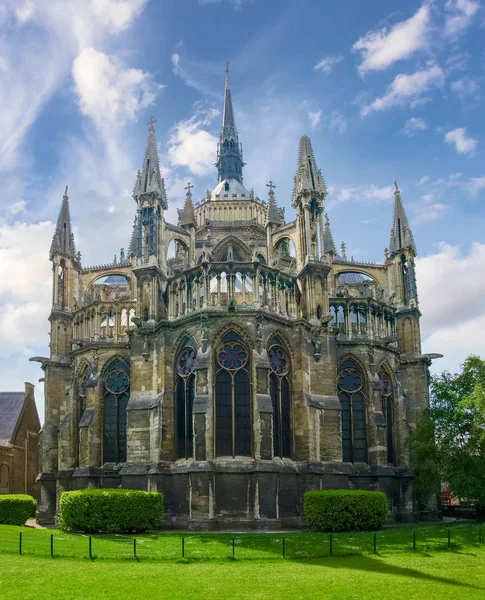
point(11, 404)
point(352, 278)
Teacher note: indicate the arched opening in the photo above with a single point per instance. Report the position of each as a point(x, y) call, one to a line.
point(233, 398)
point(352, 400)
point(116, 384)
point(61, 283)
point(280, 392)
point(285, 249)
point(184, 400)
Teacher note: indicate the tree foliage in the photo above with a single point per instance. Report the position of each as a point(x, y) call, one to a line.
point(458, 412)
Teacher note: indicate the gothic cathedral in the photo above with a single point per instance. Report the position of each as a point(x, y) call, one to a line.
point(234, 360)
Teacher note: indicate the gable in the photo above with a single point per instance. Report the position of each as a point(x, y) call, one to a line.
point(11, 404)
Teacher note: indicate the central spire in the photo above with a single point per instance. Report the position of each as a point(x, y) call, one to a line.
point(229, 151)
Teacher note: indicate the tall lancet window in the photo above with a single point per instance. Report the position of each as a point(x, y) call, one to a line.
point(279, 386)
point(61, 283)
point(387, 409)
point(233, 397)
point(184, 401)
point(116, 384)
point(352, 401)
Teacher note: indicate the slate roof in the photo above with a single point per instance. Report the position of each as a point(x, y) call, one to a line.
point(11, 404)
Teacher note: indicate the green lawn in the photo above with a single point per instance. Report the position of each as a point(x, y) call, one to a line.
point(245, 546)
point(443, 575)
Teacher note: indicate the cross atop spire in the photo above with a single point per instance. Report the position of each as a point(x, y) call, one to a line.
point(188, 187)
point(187, 214)
point(271, 186)
point(228, 62)
point(273, 216)
point(151, 122)
point(401, 234)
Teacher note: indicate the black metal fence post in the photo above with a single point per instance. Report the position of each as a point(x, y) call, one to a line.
point(331, 544)
point(479, 533)
point(375, 542)
point(283, 548)
point(414, 539)
point(52, 545)
point(233, 547)
point(90, 547)
point(449, 538)
point(20, 542)
point(134, 548)
point(183, 547)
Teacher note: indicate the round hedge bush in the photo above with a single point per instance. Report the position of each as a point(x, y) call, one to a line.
point(15, 509)
point(109, 510)
point(345, 510)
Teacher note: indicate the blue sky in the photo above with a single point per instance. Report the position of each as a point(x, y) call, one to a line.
point(386, 90)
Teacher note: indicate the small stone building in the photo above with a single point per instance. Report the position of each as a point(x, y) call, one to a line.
point(19, 442)
point(253, 362)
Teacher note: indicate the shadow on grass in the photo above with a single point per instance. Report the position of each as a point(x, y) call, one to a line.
point(368, 563)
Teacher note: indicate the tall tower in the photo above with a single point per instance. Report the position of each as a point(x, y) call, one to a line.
point(229, 151)
point(402, 252)
point(147, 251)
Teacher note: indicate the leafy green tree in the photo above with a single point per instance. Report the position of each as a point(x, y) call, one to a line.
point(458, 412)
point(424, 457)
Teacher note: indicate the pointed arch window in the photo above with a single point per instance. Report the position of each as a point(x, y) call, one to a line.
point(279, 386)
point(116, 384)
point(388, 410)
point(353, 403)
point(184, 400)
point(233, 398)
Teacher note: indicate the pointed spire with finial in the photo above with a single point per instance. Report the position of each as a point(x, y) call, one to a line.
point(328, 241)
point(229, 151)
point(272, 214)
point(188, 215)
point(133, 238)
point(401, 234)
point(149, 179)
point(343, 248)
point(63, 240)
point(308, 176)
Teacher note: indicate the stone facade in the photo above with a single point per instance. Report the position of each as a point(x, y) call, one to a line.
point(19, 442)
point(252, 363)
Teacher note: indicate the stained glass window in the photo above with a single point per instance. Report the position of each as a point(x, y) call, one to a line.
point(184, 401)
point(279, 387)
point(116, 396)
point(352, 402)
point(233, 398)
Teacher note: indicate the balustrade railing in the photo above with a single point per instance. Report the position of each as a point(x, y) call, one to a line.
point(363, 318)
point(103, 320)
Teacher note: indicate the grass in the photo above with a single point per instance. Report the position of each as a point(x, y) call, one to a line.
point(242, 546)
point(444, 575)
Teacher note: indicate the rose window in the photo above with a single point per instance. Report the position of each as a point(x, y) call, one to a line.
point(232, 356)
point(186, 362)
point(349, 380)
point(278, 360)
point(117, 382)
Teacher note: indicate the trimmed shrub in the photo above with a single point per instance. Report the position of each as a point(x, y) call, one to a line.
point(345, 510)
point(15, 509)
point(109, 510)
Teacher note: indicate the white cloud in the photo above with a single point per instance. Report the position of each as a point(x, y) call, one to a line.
point(315, 118)
point(25, 12)
point(338, 122)
point(460, 15)
point(406, 88)
point(117, 15)
point(327, 63)
point(452, 323)
point(109, 93)
point(465, 87)
point(424, 179)
point(428, 210)
point(371, 193)
point(192, 146)
point(382, 48)
point(463, 144)
point(475, 185)
point(17, 207)
point(413, 126)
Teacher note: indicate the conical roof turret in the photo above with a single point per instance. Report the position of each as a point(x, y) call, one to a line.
point(328, 241)
point(63, 240)
point(149, 179)
point(308, 176)
point(187, 216)
point(273, 216)
point(401, 234)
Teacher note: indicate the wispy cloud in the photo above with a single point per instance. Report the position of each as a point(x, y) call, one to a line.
point(382, 48)
point(327, 63)
point(428, 210)
point(315, 118)
point(413, 126)
point(406, 89)
point(337, 122)
point(460, 15)
point(465, 87)
point(463, 144)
